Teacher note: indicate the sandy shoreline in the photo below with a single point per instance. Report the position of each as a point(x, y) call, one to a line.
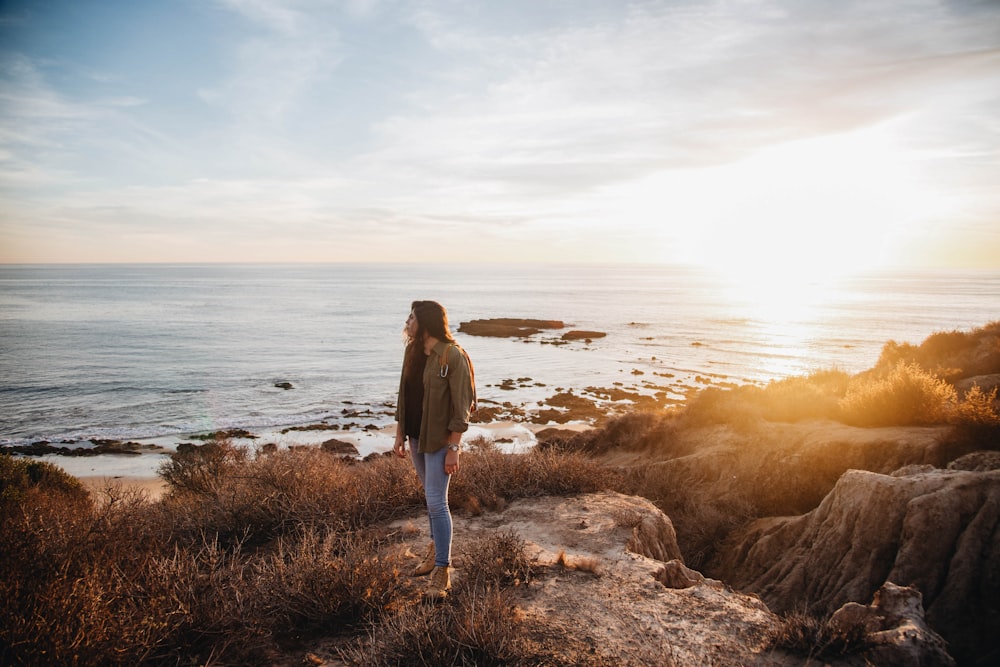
point(154, 487)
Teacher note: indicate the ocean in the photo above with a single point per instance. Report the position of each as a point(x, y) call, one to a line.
point(135, 352)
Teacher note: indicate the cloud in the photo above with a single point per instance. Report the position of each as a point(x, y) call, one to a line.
point(507, 118)
point(565, 112)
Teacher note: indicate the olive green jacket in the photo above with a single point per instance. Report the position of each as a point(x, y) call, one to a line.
point(447, 400)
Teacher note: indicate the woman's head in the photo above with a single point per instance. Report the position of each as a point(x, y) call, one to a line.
point(431, 319)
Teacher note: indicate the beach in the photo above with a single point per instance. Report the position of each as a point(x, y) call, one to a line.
point(151, 487)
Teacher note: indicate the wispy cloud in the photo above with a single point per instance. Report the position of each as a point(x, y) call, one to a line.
point(341, 119)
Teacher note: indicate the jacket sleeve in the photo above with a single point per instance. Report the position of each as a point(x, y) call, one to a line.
point(460, 388)
point(400, 397)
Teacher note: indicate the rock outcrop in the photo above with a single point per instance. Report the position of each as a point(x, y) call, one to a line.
point(608, 593)
point(935, 530)
point(895, 628)
point(339, 447)
point(616, 586)
point(583, 335)
point(506, 327)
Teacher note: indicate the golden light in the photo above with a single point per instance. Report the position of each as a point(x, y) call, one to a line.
point(800, 212)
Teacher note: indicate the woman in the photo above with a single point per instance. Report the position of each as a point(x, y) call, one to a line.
point(432, 412)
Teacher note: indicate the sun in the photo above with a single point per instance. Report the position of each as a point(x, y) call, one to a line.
point(799, 212)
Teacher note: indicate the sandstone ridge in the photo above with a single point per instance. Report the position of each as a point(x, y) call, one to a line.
point(934, 530)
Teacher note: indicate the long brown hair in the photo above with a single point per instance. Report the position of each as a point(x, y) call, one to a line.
point(432, 319)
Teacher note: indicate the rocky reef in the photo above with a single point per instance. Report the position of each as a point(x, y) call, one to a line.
point(509, 327)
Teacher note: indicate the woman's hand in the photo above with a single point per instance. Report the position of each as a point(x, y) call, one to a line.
point(451, 462)
point(399, 447)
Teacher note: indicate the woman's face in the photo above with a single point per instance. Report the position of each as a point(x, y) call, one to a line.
point(411, 325)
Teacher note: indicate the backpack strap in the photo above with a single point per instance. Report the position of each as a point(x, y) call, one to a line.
point(443, 369)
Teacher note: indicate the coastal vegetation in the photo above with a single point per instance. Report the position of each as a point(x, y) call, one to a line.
point(253, 554)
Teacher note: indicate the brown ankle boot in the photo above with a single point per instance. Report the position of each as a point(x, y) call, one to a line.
point(427, 564)
point(440, 583)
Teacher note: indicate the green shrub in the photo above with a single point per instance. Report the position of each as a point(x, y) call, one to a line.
point(21, 476)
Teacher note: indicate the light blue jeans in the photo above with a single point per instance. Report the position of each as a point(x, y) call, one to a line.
point(430, 470)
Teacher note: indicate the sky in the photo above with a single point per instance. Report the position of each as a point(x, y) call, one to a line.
point(796, 136)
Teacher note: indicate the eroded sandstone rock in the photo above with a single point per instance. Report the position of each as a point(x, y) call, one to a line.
point(608, 595)
point(936, 531)
point(895, 628)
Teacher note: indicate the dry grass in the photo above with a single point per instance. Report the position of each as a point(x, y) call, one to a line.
point(977, 409)
point(243, 555)
point(702, 510)
point(905, 395)
point(495, 560)
point(814, 638)
point(480, 628)
point(951, 355)
point(490, 478)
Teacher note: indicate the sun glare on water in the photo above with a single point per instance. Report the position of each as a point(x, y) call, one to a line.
point(782, 229)
point(783, 226)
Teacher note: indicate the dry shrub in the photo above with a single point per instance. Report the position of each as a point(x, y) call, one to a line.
point(815, 396)
point(811, 637)
point(496, 559)
point(736, 407)
point(325, 582)
point(483, 627)
point(479, 624)
point(194, 578)
point(477, 628)
point(76, 585)
point(978, 408)
point(905, 396)
point(269, 495)
point(634, 431)
point(209, 602)
point(951, 355)
point(243, 552)
point(481, 443)
point(491, 478)
point(201, 468)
